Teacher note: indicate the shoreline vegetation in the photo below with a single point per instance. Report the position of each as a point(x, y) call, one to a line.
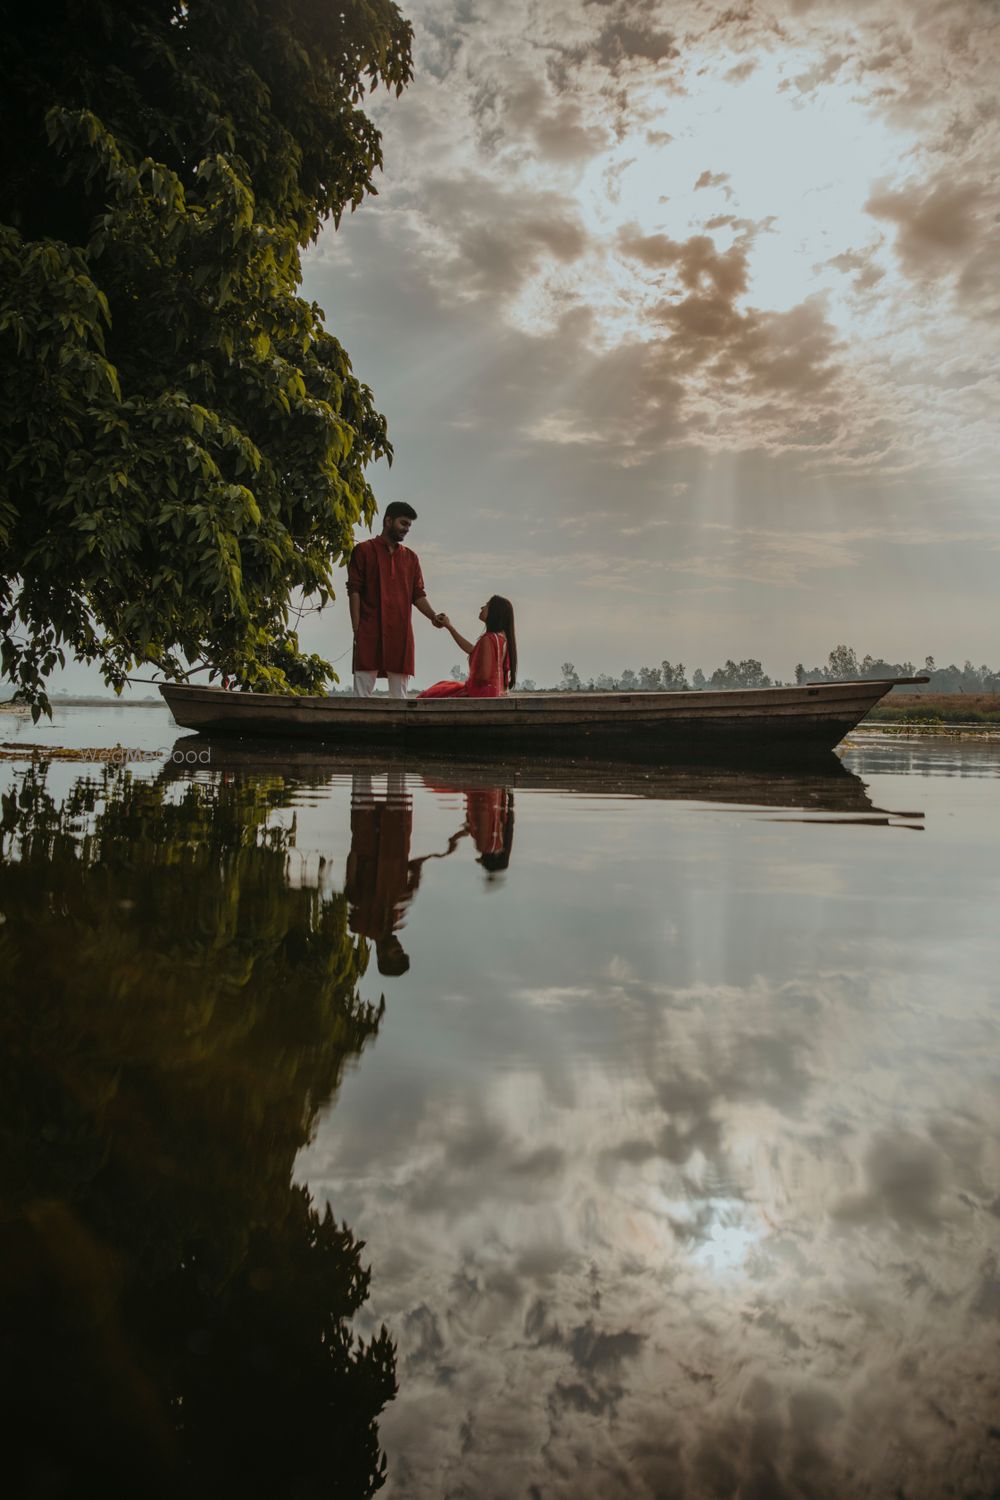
point(842, 665)
point(9, 705)
point(969, 710)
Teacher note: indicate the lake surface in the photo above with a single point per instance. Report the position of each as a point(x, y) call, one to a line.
point(666, 1105)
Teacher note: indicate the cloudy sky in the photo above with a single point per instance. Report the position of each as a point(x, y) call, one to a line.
point(684, 317)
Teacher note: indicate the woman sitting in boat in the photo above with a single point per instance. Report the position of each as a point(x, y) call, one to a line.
point(492, 659)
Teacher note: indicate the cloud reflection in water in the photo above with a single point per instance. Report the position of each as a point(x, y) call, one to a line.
point(688, 1184)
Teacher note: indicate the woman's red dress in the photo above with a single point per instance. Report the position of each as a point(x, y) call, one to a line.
point(487, 671)
point(488, 810)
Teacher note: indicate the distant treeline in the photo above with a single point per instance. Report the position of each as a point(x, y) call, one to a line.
point(842, 664)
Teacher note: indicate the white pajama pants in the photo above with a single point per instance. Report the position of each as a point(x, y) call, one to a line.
point(364, 684)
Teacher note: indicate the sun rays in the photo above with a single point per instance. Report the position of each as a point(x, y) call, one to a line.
point(723, 277)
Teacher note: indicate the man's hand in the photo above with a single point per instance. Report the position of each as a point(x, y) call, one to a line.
point(441, 619)
point(428, 611)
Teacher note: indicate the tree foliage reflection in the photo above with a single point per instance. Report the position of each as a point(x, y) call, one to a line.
point(177, 1311)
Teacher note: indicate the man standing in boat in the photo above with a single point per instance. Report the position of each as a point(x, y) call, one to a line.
point(384, 583)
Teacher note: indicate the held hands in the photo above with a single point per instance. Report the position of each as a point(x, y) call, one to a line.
point(441, 620)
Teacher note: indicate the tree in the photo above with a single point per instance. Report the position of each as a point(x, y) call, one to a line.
point(184, 445)
point(674, 680)
point(698, 680)
point(743, 674)
point(570, 678)
point(650, 679)
point(843, 664)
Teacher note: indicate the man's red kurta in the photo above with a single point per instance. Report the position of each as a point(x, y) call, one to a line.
point(379, 883)
point(389, 582)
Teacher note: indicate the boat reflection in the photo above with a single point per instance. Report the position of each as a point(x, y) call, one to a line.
point(826, 786)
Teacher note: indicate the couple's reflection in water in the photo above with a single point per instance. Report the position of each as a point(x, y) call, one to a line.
point(176, 1310)
point(382, 876)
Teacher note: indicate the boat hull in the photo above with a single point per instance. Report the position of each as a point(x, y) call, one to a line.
point(786, 722)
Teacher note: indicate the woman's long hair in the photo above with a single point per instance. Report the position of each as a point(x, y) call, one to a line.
point(500, 617)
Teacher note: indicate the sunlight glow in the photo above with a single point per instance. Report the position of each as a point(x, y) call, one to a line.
point(787, 178)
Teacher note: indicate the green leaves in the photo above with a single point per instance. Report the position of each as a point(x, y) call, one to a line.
point(184, 444)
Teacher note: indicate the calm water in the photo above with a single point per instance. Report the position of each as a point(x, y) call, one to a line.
point(664, 1104)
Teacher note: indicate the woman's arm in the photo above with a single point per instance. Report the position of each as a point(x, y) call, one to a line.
point(467, 646)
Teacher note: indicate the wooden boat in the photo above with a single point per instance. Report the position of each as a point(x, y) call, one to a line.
point(785, 722)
